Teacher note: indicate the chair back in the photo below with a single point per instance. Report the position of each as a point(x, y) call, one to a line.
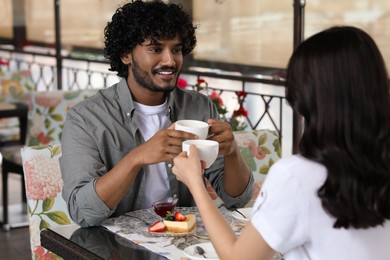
point(260, 149)
point(43, 182)
point(48, 113)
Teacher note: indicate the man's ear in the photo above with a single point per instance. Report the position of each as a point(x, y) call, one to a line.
point(126, 58)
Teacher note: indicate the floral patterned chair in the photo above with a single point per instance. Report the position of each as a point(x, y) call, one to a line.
point(260, 149)
point(46, 207)
point(46, 118)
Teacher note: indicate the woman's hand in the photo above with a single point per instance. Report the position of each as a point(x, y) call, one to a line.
point(188, 168)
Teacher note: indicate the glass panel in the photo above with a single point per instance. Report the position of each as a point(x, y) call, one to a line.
point(6, 19)
point(373, 16)
point(250, 32)
point(83, 22)
point(40, 21)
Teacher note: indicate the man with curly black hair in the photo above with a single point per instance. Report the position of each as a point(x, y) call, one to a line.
point(118, 146)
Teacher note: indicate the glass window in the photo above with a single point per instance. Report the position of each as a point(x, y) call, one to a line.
point(40, 21)
point(373, 16)
point(249, 32)
point(6, 22)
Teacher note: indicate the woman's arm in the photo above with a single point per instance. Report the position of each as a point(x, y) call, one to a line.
point(250, 245)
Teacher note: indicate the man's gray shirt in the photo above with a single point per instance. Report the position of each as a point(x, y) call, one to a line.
point(101, 130)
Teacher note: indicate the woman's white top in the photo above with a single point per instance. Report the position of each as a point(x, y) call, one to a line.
point(289, 216)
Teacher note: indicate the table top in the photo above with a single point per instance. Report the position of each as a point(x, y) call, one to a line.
point(73, 242)
point(126, 237)
point(7, 106)
point(8, 109)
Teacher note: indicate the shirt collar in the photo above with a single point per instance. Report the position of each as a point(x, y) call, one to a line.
point(126, 100)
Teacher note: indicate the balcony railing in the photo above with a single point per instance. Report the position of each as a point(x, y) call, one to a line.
point(265, 98)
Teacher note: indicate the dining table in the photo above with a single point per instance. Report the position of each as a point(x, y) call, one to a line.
point(127, 237)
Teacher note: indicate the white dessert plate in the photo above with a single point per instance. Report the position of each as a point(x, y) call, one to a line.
point(208, 248)
point(242, 214)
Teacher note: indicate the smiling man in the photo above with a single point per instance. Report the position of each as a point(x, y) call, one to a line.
point(118, 146)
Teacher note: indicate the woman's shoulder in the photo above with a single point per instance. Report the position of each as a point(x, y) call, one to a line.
point(299, 168)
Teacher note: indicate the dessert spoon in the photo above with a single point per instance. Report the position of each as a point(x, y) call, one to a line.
point(200, 251)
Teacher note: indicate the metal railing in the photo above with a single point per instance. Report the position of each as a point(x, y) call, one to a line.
point(265, 98)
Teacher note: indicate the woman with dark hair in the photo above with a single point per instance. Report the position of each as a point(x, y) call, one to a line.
point(332, 200)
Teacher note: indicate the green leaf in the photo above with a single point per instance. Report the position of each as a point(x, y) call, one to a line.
point(57, 117)
point(264, 169)
point(265, 149)
point(38, 111)
point(71, 94)
point(248, 158)
point(47, 204)
point(262, 139)
point(58, 217)
point(39, 147)
point(47, 123)
point(43, 224)
point(56, 151)
point(276, 145)
point(33, 141)
point(29, 86)
point(51, 131)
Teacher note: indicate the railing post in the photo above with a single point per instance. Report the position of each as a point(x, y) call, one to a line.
point(19, 21)
point(58, 44)
point(299, 21)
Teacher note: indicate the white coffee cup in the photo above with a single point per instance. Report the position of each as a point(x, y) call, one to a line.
point(207, 149)
point(200, 128)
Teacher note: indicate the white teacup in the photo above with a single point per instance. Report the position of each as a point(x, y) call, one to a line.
point(207, 150)
point(200, 128)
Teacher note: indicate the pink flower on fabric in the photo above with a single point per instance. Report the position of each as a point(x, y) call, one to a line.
point(43, 178)
point(38, 124)
point(257, 151)
point(251, 145)
point(43, 254)
point(47, 99)
point(182, 83)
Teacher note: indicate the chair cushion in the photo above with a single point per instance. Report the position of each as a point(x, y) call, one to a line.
point(43, 181)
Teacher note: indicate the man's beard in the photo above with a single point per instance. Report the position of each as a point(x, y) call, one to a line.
point(144, 79)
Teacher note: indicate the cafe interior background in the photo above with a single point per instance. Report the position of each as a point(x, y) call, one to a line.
point(242, 46)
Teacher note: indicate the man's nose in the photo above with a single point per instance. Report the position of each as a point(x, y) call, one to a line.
point(168, 58)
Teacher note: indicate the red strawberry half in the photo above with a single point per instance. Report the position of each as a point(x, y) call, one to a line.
point(179, 216)
point(157, 227)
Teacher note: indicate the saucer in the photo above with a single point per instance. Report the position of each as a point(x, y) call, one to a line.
point(246, 214)
point(208, 248)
